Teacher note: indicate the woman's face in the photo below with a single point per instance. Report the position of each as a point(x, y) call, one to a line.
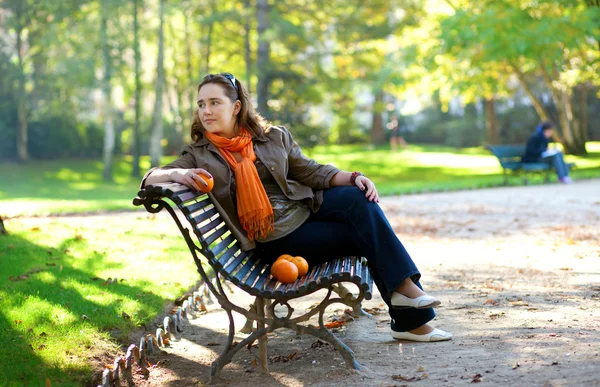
point(548, 133)
point(216, 111)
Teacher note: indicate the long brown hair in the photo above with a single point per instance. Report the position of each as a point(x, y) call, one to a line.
point(247, 117)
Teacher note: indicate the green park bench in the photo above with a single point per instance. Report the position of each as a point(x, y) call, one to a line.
point(509, 157)
point(215, 246)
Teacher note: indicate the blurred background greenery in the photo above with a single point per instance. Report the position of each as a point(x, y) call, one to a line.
point(100, 79)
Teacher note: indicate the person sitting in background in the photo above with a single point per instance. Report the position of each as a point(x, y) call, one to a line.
point(537, 150)
point(396, 134)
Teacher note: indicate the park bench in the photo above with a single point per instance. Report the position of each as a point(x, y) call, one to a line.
point(215, 246)
point(509, 157)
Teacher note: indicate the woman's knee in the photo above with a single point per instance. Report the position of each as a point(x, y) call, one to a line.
point(352, 197)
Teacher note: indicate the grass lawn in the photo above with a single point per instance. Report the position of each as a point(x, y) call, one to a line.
point(71, 186)
point(57, 314)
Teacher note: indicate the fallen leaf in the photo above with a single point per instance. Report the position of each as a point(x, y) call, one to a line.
point(34, 229)
point(517, 365)
point(335, 324)
point(476, 379)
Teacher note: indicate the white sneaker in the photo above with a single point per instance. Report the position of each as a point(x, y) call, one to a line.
point(435, 335)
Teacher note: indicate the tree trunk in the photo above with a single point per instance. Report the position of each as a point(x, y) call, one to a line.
point(176, 112)
point(262, 60)
point(2, 229)
point(537, 104)
point(109, 129)
point(582, 136)
point(22, 136)
point(208, 46)
point(491, 122)
point(569, 126)
point(377, 131)
point(247, 48)
point(138, 90)
point(157, 122)
point(189, 90)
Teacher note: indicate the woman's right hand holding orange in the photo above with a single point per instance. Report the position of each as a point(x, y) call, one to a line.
point(192, 178)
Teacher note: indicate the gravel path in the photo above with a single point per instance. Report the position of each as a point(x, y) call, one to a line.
point(518, 272)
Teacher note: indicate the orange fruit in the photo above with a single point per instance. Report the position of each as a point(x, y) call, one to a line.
point(285, 271)
point(209, 181)
point(285, 257)
point(302, 266)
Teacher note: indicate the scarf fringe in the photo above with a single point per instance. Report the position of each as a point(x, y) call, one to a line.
point(257, 226)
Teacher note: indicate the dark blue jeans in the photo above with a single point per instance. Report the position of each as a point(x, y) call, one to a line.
point(558, 163)
point(348, 224)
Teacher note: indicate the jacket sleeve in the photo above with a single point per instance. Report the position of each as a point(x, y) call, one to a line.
point(185, 161)
point(303, 169)
point(536, 146)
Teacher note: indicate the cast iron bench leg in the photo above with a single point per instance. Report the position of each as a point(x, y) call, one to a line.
point(262, 340)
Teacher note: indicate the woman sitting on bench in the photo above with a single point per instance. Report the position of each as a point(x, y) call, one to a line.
point(278, 201)
point(537, 150)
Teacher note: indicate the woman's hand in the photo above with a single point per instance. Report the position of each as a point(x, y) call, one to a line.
point(190, 178)
point(363, 183)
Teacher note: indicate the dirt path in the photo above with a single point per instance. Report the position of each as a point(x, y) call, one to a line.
point(517, 269)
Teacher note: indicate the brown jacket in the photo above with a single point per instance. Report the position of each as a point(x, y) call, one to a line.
point(299, 177)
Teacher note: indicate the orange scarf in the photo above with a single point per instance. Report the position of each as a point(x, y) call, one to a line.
point(254, 208)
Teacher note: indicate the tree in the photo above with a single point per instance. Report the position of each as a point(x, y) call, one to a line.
point(262, 59)
point(157, 117)
point(21, 20)
point(550, 40)
point(138, 89)
point(107, 113)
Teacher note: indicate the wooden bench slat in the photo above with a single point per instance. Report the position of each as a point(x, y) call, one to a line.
point(223, 245)
point(232, 265)
point(183, 197)
point(356, 272)
point(367, 282)
point(193, 207)
point(245, 269)
point(210, 225)
point(225, 257)
point(260, 266)
point(336, 269)
point(269, 289)
point(216, 235)
point(262, 278)
point(314, 277)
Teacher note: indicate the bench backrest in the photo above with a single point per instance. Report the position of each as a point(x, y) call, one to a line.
point(509, 156)
point(220, 248)
point(244, 268)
